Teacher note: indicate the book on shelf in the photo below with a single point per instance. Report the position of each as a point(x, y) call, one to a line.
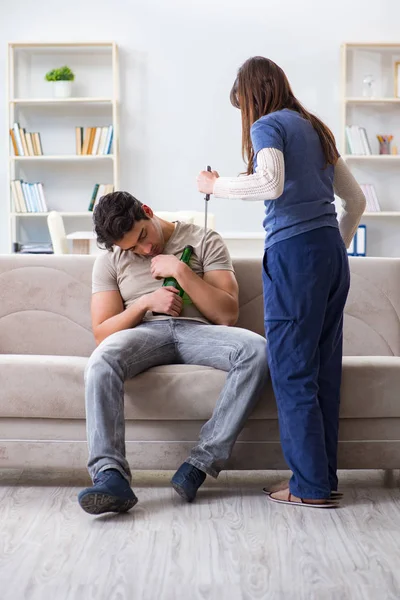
point(99, 190)
point(371, 197)
point(86, 139)
point(34, 144)
point(18, 139)
point(28, 197)
point(358, 246)
point(79, 133)
point(25, 143)
point(93, 141)
point(28, 138)
point(38, 144)
point(109, 140)
point(14, 142)
point(357, 140)
point(96, 141)
point(103, 137)
point(93, 198)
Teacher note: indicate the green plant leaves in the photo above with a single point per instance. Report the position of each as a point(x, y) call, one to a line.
point(61, 74)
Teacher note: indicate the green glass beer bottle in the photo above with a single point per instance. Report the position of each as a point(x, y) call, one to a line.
point(171, 281)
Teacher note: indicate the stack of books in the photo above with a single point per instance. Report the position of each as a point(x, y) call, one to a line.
point(99, 190)
point(94, 140)
point(33, 248)
point(25, 143)
point(357, 140)
point(28, 197)
point(371, 197)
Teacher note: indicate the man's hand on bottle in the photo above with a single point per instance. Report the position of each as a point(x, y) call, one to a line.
point(165, 265)
point(166, 301)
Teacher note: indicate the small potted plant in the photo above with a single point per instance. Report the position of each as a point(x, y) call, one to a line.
point(61, 79)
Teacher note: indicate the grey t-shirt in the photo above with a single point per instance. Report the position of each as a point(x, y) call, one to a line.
point(130, 275)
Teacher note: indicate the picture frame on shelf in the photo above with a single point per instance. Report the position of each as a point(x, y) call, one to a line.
point(397, 79)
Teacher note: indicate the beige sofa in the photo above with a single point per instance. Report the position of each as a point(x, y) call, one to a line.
point(45, 341)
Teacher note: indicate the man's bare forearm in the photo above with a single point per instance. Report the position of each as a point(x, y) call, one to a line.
point(128, 318)
point(215, 304)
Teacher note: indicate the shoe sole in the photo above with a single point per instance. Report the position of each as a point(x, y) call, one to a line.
point(181, 492)
point(302, 504)
point(97, 504)
point(333, 495)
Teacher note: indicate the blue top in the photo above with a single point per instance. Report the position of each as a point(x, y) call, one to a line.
point(307, 199)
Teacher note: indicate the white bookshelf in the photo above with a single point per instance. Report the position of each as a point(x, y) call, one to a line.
point(372, 100)
point(62, 157)
point(38, 101)
point(379, 115)
point(382, 213)
point(45, 214)
point(373, 157)
point(68, 178)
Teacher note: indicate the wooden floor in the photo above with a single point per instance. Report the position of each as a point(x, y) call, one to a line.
point(230, 544)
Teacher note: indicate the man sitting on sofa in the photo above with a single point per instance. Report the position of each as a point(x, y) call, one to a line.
point(138, 324)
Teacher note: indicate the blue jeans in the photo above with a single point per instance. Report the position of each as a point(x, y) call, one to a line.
point(306, 281)
point(125, 354)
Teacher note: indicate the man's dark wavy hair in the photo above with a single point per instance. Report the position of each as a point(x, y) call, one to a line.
point(115, 215)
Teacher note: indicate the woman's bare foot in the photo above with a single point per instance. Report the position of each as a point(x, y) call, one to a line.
point(285, 496)
point(283, 485)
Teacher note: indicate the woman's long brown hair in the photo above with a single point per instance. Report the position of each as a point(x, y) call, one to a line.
point(260, 88)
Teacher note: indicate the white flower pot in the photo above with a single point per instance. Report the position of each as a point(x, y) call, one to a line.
point(62, 89)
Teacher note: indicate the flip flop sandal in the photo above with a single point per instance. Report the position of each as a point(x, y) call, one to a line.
point(334, 495)
point(326, 504)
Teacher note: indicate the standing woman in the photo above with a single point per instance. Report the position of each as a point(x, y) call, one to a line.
point(293, 165)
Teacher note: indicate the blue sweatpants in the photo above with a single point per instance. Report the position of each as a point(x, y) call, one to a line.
point(306, 281)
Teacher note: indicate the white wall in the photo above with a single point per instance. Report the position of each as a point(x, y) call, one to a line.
point(178, 62)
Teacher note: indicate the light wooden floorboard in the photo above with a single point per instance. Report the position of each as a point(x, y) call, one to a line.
point(230, 544)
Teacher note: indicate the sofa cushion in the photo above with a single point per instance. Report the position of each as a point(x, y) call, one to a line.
point(372, 313)
point(52, 387)
point(45, 305)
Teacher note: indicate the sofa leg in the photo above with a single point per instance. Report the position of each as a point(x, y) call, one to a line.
point(391, 478)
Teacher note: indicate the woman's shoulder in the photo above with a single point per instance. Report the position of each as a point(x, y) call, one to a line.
point(269, 131)
point(280, 117)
